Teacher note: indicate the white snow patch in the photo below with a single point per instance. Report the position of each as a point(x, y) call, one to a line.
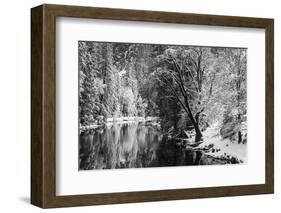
point(225, 146)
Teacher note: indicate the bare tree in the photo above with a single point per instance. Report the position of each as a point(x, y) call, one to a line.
point(183, 71)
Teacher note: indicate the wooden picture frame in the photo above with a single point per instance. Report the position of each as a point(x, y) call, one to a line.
point(43, 105)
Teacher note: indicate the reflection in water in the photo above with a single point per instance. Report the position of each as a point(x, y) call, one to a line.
point(131, 145)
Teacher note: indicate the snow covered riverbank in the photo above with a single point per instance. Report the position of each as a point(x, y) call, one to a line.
point(121, 120)
point(222, 148)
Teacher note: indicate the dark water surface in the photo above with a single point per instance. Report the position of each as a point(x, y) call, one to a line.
point(131, 145)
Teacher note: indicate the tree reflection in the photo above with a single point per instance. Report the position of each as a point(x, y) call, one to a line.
point(131, 145)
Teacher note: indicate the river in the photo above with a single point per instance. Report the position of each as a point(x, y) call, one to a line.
point(131, 145)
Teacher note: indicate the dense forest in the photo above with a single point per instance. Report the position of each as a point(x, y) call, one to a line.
point(187, 88)
point(145, 105)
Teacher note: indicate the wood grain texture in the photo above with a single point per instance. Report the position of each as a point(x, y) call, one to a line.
point(269, 106)
point(43, 105)
point(36, 106)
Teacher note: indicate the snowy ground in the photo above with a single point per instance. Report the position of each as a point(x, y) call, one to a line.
point(223, 147)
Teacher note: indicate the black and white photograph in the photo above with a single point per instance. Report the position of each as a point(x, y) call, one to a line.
point(160, 105)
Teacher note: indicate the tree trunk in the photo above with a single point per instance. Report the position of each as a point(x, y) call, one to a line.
point(239, 137)
point(239, 132)
point(238, 88)
point(198, 136)
point(195, 123)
